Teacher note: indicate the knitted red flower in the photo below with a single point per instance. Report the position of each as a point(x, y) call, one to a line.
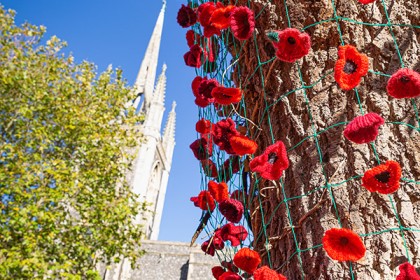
point(221, 17)
point(230, 167)
point(186, 16)
point(384, 178)
point(407, 272)
point(226, 96)
point(190, 36)
point(204, 201)
point(242, 23)
point(205, 11)
point(350, 67)
point(265, 273)
point(291, 44)
point(242, 145)
point(228, 275)
point(247, 260)
point(218, 190)
point(222, 131)
point(217, 271)
point(194, 56)
point(202, 88)
point(212, 244)
point(235, 234)
point(363, 129)
point(232, 210)
point(209, 168)
point(203, 126)
point(343, 244)
point(202, 148)
point(272, 162)
point(366, 1)
point(405, 83)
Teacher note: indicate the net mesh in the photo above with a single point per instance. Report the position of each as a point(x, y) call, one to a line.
point(228, 72)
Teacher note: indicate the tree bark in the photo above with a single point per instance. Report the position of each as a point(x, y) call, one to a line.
point(311, 186)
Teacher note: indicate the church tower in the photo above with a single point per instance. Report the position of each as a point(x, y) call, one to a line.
point(154, 158)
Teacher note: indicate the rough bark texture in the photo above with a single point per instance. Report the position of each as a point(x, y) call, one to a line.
point(360, 210)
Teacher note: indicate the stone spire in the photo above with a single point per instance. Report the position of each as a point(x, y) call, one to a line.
point(159, 93)
point(169, 134)
point(146, 77)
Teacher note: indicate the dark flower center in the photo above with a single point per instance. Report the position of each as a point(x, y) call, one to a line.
point(344, 240)
point(350, 67)
point(291, 40)
point(272, 158)
point(383, 177)
point(404, 79)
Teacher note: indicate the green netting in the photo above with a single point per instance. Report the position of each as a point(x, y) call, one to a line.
point(226, 67)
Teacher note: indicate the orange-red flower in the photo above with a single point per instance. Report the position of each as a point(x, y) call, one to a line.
point(350, 67)
point(363, 129)
point(205, 11)
point(203, 126)
point(226, 96)
point(342, 244)
point(209, 168)
point(242, 145)
point(221, 17)
point(291, 44)
point(247, 260)
point(242, 23)
point(204, 201)
point(222, 131)
point(405, 83)
point(218, 190)
point(384, 178)
point(407, 272)
point(272, 162)
point(265, 273)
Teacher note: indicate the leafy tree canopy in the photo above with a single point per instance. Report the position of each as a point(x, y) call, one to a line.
point(65, 147)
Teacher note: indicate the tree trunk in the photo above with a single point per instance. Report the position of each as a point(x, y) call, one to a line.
point(314, 195)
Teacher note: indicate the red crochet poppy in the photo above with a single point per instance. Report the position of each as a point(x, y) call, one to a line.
point(242, 23)
point(363, 129)
point(190, 36)
point(222, 131)
point(343, 244)
point(407, 272)
point(405, 83)
point(384, 178)
point(247, 260)
point(265, 273)
point(350, 67)
point(217, 271)
point(232, 210)
point(235, 234)
point(205, 11)
point(204, 201)
point(186, 16)
point(218, 190)
point(230, 166)
point(209, 168)
point(221, 17)
point(292, 44)
point(202, 88)
point(202, 148)
point(194, 57)
point(366, 1)
point(272, 162)
point(242, 145)
point(203, 126)
point(226, 96)
point(211, 245)
point(228, 275)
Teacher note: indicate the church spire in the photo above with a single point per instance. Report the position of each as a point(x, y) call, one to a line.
point(159, 93)
point(146, 77)
point(169, 134)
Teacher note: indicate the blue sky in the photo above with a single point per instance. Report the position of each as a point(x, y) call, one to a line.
point(117, 32)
